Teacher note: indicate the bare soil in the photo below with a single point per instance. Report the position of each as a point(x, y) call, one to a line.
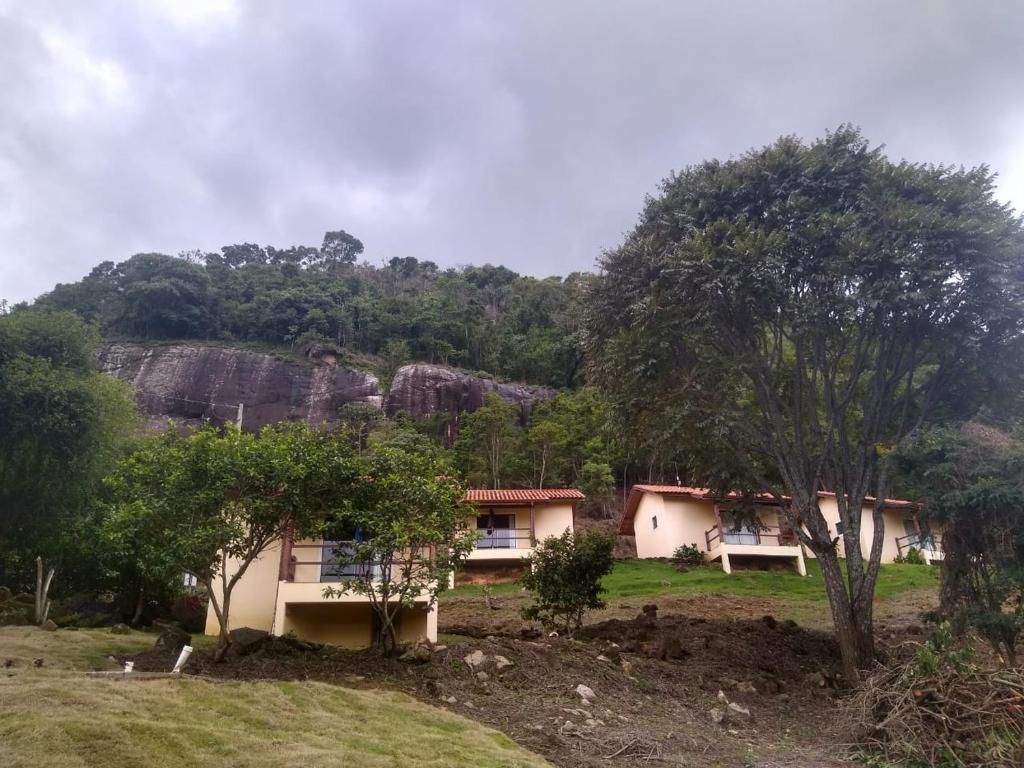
point(656, 682)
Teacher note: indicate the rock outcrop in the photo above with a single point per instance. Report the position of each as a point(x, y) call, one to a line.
point(422, 390)
point(189, 383)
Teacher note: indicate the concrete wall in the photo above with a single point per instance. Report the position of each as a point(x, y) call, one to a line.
point(680, 521)
point(551, 519)
point(892, 521)
point(254, 597)
point(352, 625)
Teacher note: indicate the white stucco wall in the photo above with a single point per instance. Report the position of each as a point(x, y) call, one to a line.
point(680, 521)
point(255, 595)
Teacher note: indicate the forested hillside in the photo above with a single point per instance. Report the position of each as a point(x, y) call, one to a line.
point(486, 318)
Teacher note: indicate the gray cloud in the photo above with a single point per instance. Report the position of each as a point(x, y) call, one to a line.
point(517, 133)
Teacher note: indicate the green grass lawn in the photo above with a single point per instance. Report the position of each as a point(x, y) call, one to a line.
point(56, 716)
point(641, 578)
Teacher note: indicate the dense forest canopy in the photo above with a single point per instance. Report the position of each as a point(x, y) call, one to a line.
point(483, 318)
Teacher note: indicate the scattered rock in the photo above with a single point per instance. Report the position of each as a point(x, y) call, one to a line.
point(586, 693)
point(418, 654)
point(49, 625)
point(669, 648)
point(722, 697)
point(475, 658)
point(738, 709)
point(482, 676)
point(717, 715)
point(120, 629)
point(745, 687)
point(553, 633)
point(439, 648)
point(816, 680)
point(449, 700)
point(500, 663)
point(171, 637)
point(246, 640)
point(602, 657)
point(626, 667)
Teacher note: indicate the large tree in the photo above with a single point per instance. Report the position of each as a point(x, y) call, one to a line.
point(795, 312)
point(408, 528)
point(211, 502)
point(62, 426)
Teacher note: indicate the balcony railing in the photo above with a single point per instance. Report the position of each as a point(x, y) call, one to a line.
point(320, 562)
point(504, 538)
point(771, 535)
point(921, 542)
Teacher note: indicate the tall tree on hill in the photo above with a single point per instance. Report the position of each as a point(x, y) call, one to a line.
point(806, 307)
point(62, 426)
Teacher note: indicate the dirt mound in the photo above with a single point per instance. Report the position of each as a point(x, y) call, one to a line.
point(654, 682)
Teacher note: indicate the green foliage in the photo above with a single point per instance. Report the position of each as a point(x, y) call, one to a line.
point(941, 651)
point(564, 573)
point(913, 557)
point(489, 441)
point(190, 503)
point(688, 555)
point(409, 523)
point(63, 425)
point(972, 479)
point(482, 318)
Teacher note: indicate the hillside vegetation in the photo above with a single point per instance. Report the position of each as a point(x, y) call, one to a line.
point(485, 318)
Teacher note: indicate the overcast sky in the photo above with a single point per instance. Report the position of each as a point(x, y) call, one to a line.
point(520, 133)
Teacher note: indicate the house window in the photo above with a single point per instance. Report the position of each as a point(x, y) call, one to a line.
point(496, 531)
point(654, 521)
point(333, 567)
point(736, 531)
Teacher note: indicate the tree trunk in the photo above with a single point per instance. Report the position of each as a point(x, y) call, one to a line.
point(140, 603)
point(225, 638)
point(847, 627)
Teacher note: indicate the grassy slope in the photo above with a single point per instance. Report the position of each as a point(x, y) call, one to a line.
point(55, 716)
point(635, 578)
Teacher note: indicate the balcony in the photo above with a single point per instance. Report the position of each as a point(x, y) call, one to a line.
point(769, 541)
point(929, 545)
point(503, 544)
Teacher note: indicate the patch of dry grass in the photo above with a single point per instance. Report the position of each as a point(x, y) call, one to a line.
point(56, 716)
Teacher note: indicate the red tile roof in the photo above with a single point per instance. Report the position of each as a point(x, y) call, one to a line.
point(514, 495)
point(637, 491)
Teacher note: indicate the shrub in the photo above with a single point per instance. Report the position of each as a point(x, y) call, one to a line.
point(564, 573)
point(688, 555)
point(913, 557)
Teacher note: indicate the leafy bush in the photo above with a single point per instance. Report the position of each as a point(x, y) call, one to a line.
point(913, 557)
point(940, 652)
point(565, 573)
point(688, 555)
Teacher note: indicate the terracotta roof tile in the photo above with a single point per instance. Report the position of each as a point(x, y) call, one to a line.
point(512, 495)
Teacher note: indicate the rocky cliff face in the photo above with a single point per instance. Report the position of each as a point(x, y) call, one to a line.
point(190, 383)
point(422, 390)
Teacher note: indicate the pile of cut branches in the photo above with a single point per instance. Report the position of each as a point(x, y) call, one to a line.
point(956, 717)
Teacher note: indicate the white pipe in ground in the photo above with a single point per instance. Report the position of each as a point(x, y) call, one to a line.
point(186, 651)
